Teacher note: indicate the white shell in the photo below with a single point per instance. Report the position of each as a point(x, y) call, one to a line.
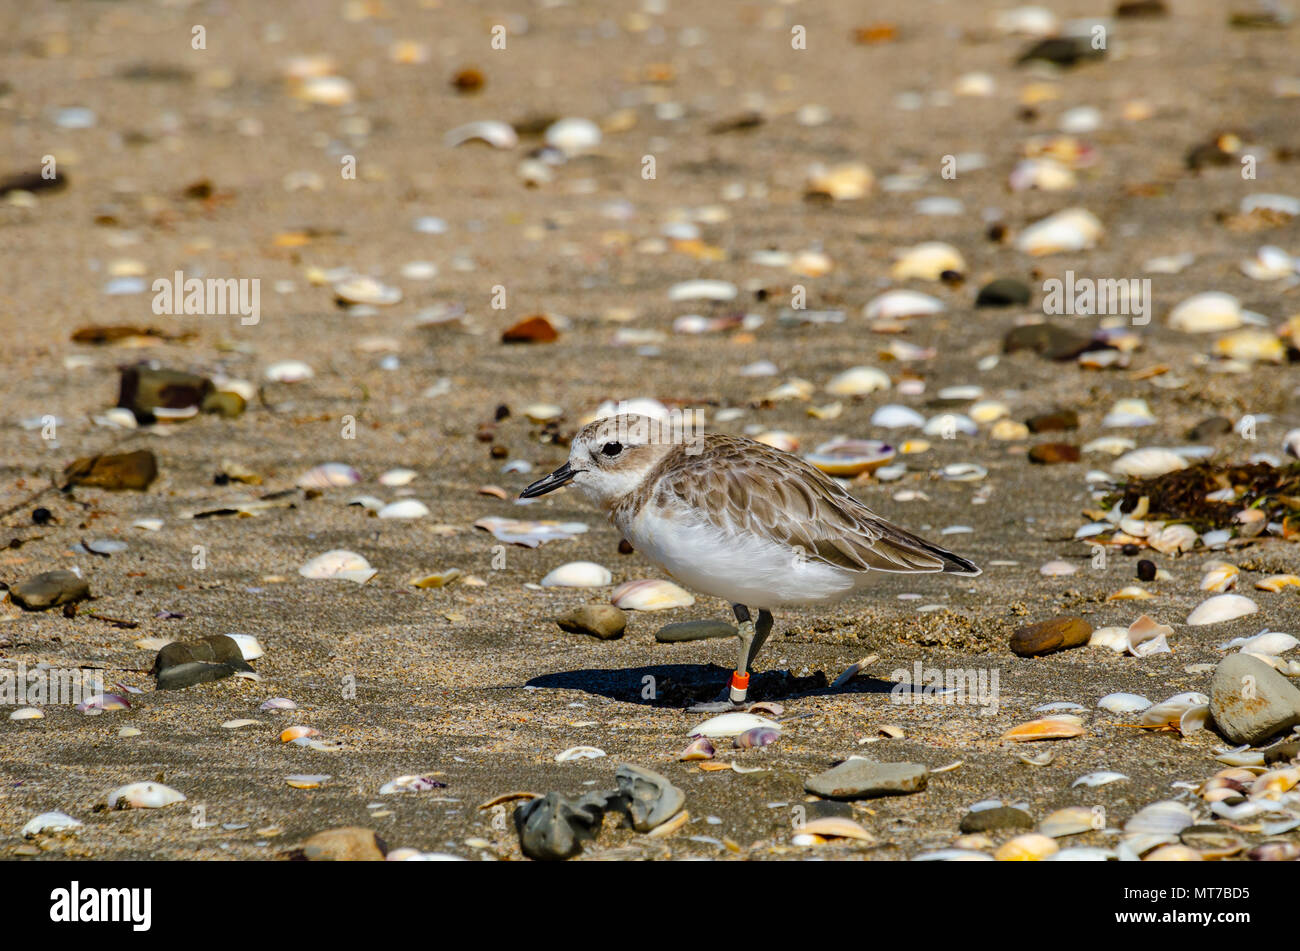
point(953, 855)
point(1174, 538)
point(1220, 578)
point(1114, 445)
point(1086, 853)
point(1071, 820)
point(406, 508)
point(1123, 702)
point(499, 135)
point(289, 371)
point(1116, 638)
point(50, 822)
point(1171, 711)
point(946, 423)
point(579, 752)
point(573, 136)
point(1146, 463)
point(858, 381)
point(248, 646)
point(702, 290)
point(578, 574)
point(338, 564)
point(1223, 607)
point(1146, 636)
point(1160, 818)
point(927, 261)
point(650, 595)
point(27, 713)
point(1099, 778)
point(1266, 642)
point(398, 477)
point(1130, 412)
point(732, 724)
point(327, 476)
point(366, 290)
point(144, 796)
point(1073, 229)
point(1207, 313)
point(896, 416)
point(896, 304)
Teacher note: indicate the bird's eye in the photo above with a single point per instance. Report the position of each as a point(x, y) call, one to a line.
point(612, 449)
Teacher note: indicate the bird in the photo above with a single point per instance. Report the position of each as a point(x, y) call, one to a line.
point(737, 519)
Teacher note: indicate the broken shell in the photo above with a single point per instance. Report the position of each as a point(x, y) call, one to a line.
point(927, 262)
point(1073, 229)
point(578, 574)
point(849, 457)
point(1031, 847)
point(1048, 728)
point(1116, 638)
point(579, 752)
point(698, 749)
point(143, 796)
point(858, 381)
point(366, 290)
point(1170, 712)
point(1220, 578)
point(410, 784)
point(1207, 313)
point(1146, 636)
point(328, 476)
point(650, 595)
point(1277, 582)
point(339, 564)
point(440, 579)
point(897, 304)
point(833, 827)
point(1099, 778)
point(248, 645)
point(50, 822)
point(841, 182)
point(1165, 818)
point(1123, 703)
point(1174, 538)
point(1071, 820)
point(1148, 463)
point(573, 136)
point(1223, 607)
point(499, 135)
point(1266, 642)
point(733, 724)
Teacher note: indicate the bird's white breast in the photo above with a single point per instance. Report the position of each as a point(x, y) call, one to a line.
point(741, 567)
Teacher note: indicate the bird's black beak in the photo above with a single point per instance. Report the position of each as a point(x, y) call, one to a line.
point(561, 476)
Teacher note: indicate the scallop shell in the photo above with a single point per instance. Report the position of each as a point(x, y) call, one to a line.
point(858, 381)
point(1207, 313)
point(1164, 818)
point(927, 262)
point(339, 565)
point(1071, 820)
point(849, 457)
point(900, 303)
point(404, 508)
point(578, 574)
point(1148, 463)
point(650, 595)
point(1222, 607)
point(143, 796)
point(48, 822)
point(732, 725)
point(1073, 229)
point(328, 475)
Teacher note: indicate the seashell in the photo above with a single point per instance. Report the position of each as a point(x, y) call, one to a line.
point(829, 411)
point(143, 796)
point(756, 737)
point(1241, 756)
point(499, 135)
point(849, 457)
point(897, 304)
point(1251, 346)
point(784, 441)
point(1081, 854)
point(297, 733)
point(1130, 412)
point(1207, 313)
point(1071, 820)
point(949, 424)
point(1056, 569)
point(441, 579)
point(1275, 781)
point(397, 477)
point(239, 724)
point(858, 381)
point(1043, 174)
point(248, 645)
point(278, 703)
point(573, 136)
point(1174, 853)
point(1174, 538)
point(1279, 851)
point(927, 262)
point(579, 752)
point(324, 90)
point(1220, 578)
point(1099, 778)
point(733, 724)
point(27, 713)
point(289, 371)
point(405, 508)
point(964, 472)
point(49, 822)
point(339, 565)
point(1270, 263)
point(794, 389)
point(366, 290)
point(953, 855)
point(578, 574)
point(327, 476)
point(650, 595)
point(1008, 430)
point(1073, 229)
point(896, 416)
point(845, 182)
point(1223, 607)
point(410, 784)
point(1115, 638)
point(527, 533)
point(832, 827)
point(1282, 204)
point(702, 290)
point(1031, 847)
point(1113, 445)
point(1266, 642)
point(1148, 463)
point(1123, 703)
point(1291, 441)
point(987, 411)
point(103, 703)
point(1146, 636)
point(1165, 818)
point(306, 780)
point(699, 748)
point(1048, 728)
point(1027, 21)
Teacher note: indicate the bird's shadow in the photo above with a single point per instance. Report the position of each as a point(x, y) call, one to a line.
point(680, 685)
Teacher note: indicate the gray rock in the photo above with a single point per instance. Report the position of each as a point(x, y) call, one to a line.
point(652, 799)
point(181, 664)
point(694, 631)
point(597, 620)
point(863, 779)
point(999, 817)
point(555, 827)
point(49, 590)
point(1250, 701)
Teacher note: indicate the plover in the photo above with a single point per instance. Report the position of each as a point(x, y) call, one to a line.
point(736, 519)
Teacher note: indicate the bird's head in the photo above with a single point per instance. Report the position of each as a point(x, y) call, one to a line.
point(610, 457)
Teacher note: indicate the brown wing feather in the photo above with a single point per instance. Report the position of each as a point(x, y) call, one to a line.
point(740, 484)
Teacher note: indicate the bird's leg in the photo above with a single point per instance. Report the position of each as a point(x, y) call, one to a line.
point(761, 631)
point(748, 636)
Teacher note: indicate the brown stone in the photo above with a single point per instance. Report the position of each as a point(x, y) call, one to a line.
point(531, 330)
point(121, 470)
point(1051, 453)
point(346, 844)
point(143, 390)
point(598, 620)
point(1056, 421)
point(1047, 637)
